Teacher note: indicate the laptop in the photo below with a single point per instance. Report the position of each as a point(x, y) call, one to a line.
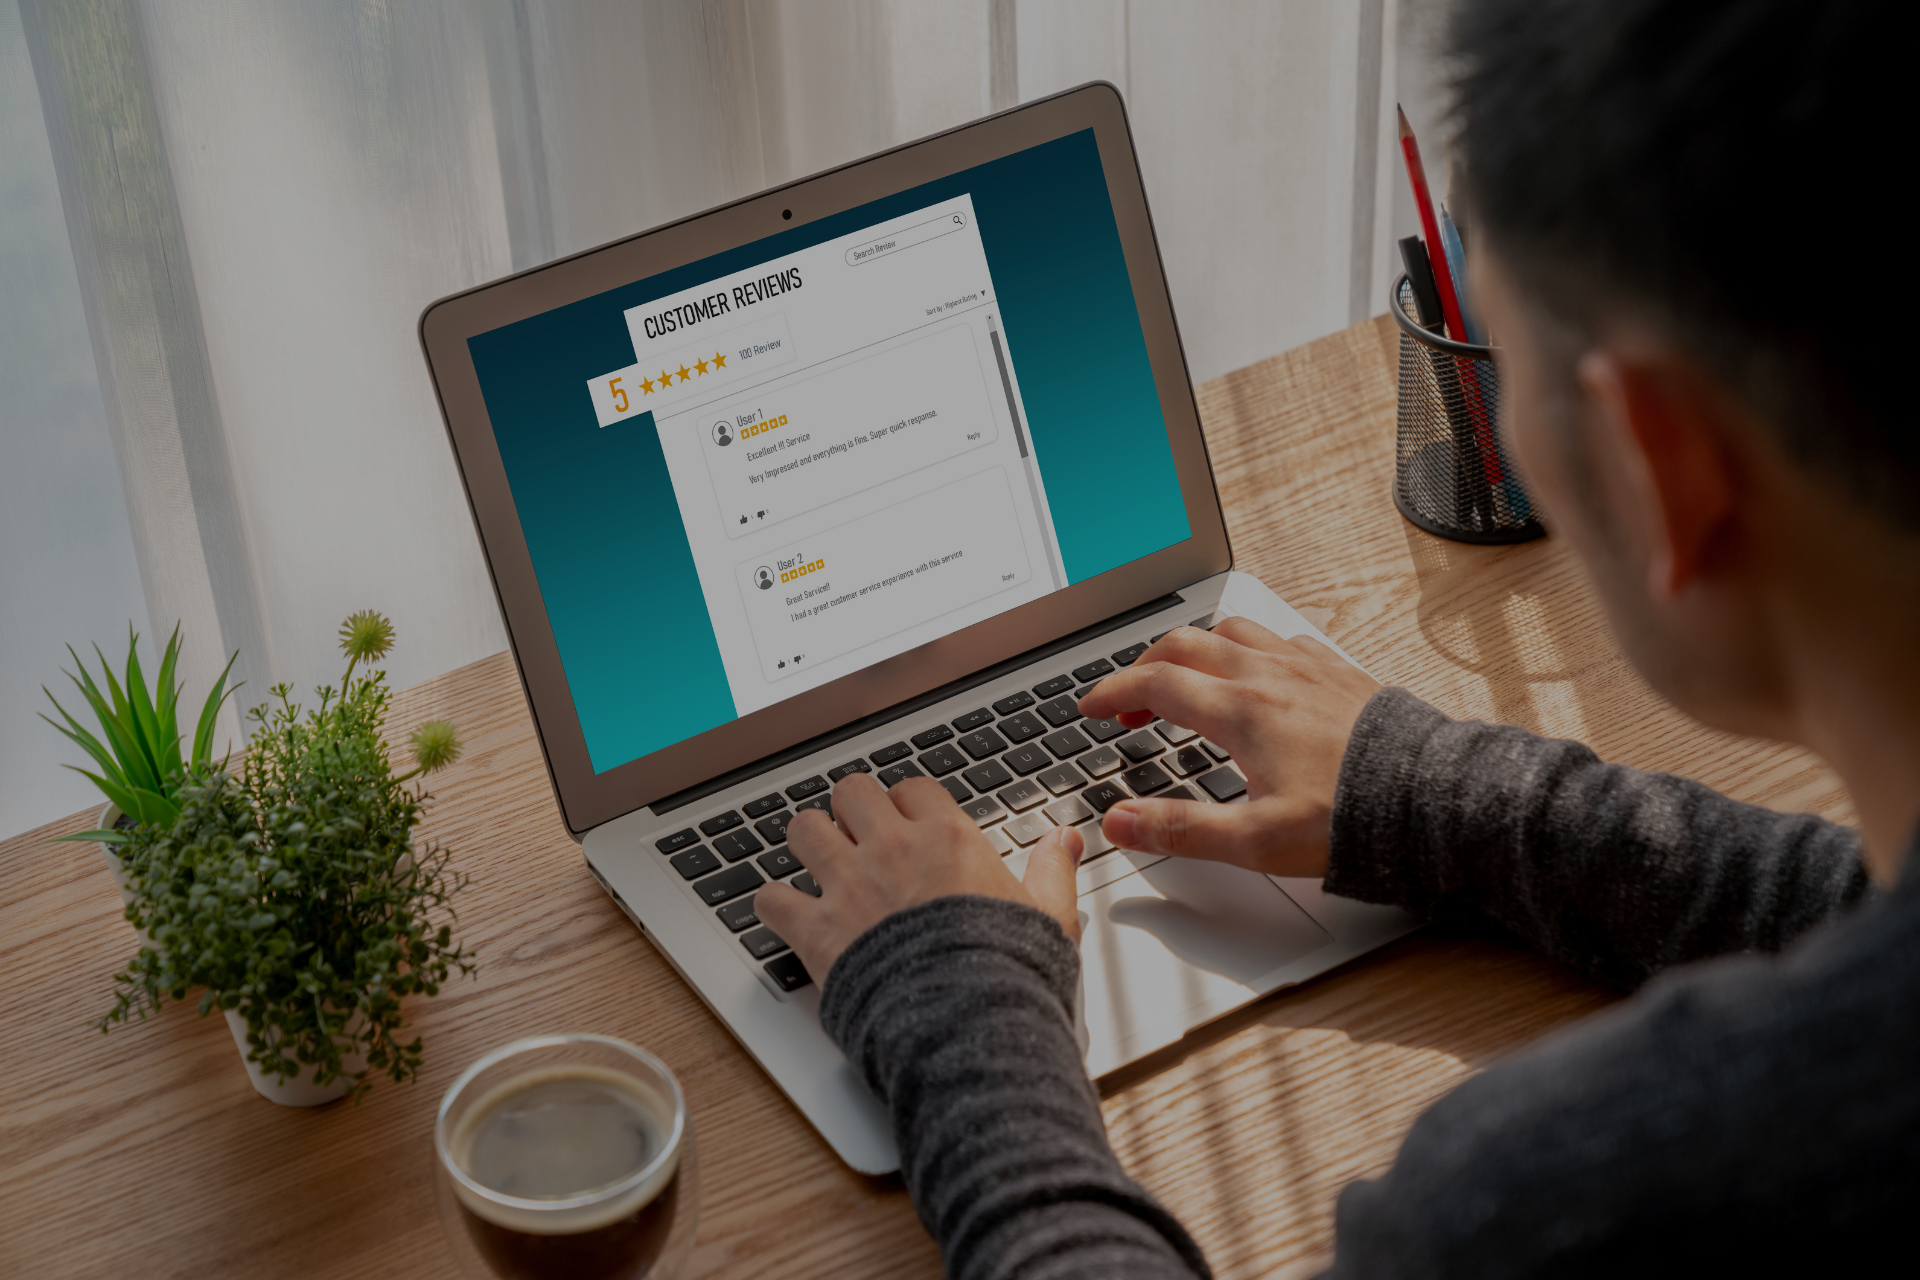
point(879, 472)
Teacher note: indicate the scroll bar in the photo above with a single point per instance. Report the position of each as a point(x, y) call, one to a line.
point(1020, 438)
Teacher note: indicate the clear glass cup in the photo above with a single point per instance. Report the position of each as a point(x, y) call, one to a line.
point(567, 1155)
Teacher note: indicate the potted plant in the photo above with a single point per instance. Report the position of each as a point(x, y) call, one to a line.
point(291, 894)
point(138, 745)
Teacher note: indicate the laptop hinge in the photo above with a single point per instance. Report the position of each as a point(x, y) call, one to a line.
point(854, 728)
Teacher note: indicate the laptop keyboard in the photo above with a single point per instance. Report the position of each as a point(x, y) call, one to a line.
point(1019, 765)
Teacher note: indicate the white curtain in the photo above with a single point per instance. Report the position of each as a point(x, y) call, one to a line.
point(222, 218)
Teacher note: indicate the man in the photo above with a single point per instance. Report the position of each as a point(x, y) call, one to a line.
point(1674, 210)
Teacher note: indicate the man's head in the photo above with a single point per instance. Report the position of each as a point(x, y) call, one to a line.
point(1686, 234)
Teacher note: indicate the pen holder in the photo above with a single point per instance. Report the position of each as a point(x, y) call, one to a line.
point(1452, 475)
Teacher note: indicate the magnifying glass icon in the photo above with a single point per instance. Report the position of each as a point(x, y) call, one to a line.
point(956, 220)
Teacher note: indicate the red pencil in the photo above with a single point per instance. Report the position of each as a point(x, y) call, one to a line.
point(1436, 251)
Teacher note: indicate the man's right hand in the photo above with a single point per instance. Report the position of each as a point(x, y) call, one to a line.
point(1284, 708)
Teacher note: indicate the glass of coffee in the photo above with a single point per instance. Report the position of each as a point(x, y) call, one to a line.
point(568, 1155)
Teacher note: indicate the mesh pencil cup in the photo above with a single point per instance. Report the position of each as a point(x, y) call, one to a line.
point(1452, 475)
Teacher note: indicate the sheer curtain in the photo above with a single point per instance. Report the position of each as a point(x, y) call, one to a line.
point(222, 219)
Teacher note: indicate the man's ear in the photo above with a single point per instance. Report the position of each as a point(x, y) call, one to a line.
point(1663, 437)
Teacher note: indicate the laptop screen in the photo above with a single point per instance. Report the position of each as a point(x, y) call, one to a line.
point(756, 473)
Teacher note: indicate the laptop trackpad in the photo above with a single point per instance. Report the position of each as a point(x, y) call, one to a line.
point(1179, 943)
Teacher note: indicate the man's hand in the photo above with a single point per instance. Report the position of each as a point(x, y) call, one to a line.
point(884, 851)
point(1284, 708)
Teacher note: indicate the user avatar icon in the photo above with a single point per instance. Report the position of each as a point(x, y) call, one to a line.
point(763, 577)
point(722, 434)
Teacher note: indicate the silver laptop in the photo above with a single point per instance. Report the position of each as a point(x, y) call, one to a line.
point(879, 471)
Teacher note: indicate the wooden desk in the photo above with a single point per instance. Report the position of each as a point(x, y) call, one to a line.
point(146, 1153)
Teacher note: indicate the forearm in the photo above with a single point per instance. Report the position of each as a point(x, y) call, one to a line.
point(1615, 872)
point(956, 1013)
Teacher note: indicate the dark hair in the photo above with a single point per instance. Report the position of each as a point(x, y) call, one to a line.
point(1731, 167)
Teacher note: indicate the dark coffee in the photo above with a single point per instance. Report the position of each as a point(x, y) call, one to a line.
point(550, 1140)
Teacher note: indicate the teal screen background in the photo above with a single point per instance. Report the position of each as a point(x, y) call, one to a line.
point(598, 509)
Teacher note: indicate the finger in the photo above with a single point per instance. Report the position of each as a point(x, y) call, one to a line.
point(860, 804)
point(785, 909)
point(1236, 833)
point(921, 798)
point(817, 842)
point(1050, 877)
point(1246, 632)
point(1200, 702)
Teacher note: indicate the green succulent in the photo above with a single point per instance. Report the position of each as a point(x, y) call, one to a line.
point(138, 747)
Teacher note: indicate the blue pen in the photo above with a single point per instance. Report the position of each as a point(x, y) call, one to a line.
point(1456, 251)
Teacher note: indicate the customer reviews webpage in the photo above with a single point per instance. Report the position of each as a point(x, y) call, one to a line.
point(844, 433)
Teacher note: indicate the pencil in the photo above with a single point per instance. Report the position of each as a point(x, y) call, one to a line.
point(1442, 276)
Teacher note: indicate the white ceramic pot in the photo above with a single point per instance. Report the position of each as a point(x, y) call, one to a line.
point(109, 815)
point(297, 1091)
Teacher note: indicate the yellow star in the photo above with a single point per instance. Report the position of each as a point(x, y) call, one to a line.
point(701, 365)
point(684, 375)
point(666, 379)
point(719, 361)
point(646, 386)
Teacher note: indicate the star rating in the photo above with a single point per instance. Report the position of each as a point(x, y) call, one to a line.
point(646, 386)
point(684, 375)
point(719, 361)
point(701, 365)
point(700, 368)
point(666, 379)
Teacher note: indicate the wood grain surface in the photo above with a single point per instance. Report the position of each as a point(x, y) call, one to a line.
point(145, 1152)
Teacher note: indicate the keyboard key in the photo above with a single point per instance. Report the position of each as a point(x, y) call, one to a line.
point(1083, 691)
point(805, 883)
point(677, 841)
point(1189, 760)
point(1096, 843)
point(899, 773)
point(1021, 727)
point(887, 755)
point(1174, 733)
point(941, 761)
point(983, 810)
point(988, 776)
point(939, 733)
point(729, 884)
point(1145, 779)
point(1141, 746)
point(959, 793)
point(1013, 702)
point(982, 743)
point(1092, 671)
point(1061, 711)
point(694, 862)
point(998, 839)
point(739, 914)
point(1069, 811)
point(764, 805)
point(1129, 655)
point(807, 787)
point(1102, 796)
point(1100, 762)
point(823, 803)
point(1054, 687)
point(774, 830)
point(972, 720)
point(1061, 779)
point(762, 943)
point(787, 972)
point(1022, 795)
point(1179, 793)
point(1026, 760)
point(1027, 828)
point(853, 766)
point(778, 863)
point(1214, 749)
point(1105, 730)
point(735, 845)
point(1223, 784)
point(714, 826)
point(1067, 742)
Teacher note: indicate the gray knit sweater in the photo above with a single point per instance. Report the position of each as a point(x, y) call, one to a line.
point(1759, 1110)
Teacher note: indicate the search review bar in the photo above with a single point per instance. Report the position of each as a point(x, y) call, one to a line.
point(945, 224)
